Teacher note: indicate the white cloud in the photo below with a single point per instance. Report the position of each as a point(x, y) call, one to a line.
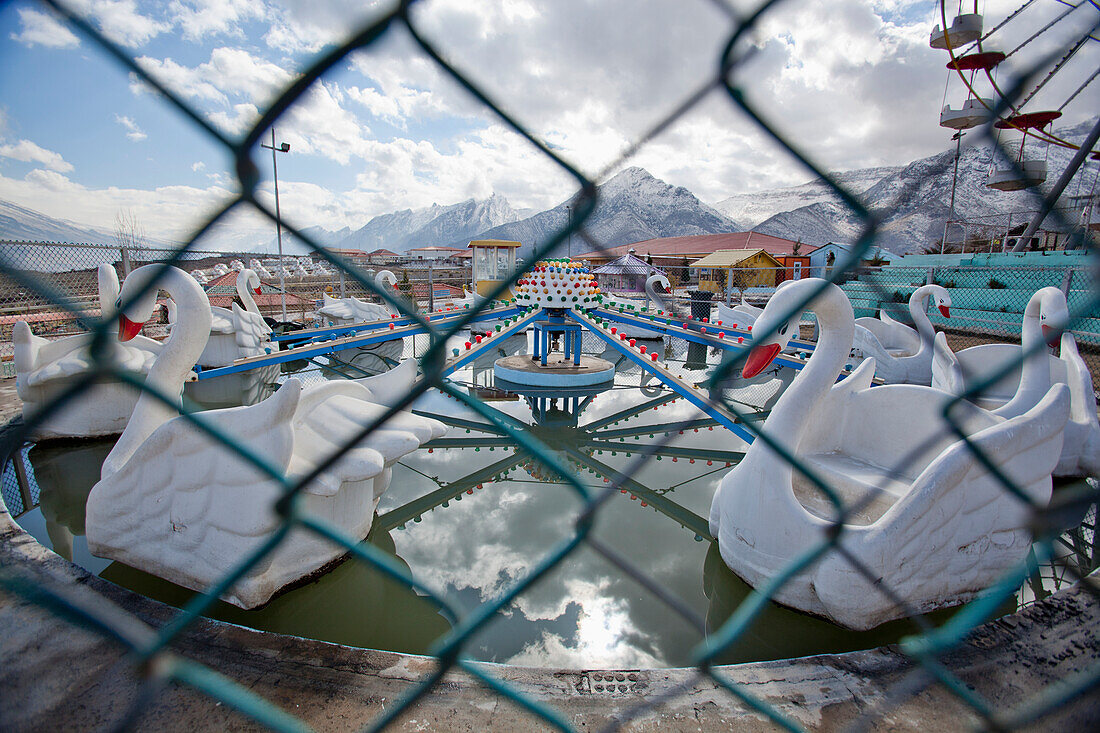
point(133, 132)
point(29, 152)
point(120, 21)
point(43, 29)
point(606, 635)
point(198, 166)
point(166, 212)
point(200, 18)
point(306, 26)
point(852, 81)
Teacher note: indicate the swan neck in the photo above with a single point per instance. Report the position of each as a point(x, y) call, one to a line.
point(170, 368)
point(108, 290)
point(918, 311)
point(795, 408)
point(245, 293)
point(1035, 371)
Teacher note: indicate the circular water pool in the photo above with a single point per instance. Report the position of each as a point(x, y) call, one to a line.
point(472, 513)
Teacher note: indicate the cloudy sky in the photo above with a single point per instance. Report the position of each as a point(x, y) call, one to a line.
point(854, 81)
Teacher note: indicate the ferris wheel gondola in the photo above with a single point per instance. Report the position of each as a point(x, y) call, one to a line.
point(974, 56)
point(964, 30)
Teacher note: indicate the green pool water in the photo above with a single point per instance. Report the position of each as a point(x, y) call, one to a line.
point(473, 513)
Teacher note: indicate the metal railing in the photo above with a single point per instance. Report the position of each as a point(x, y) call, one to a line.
point(151, 653)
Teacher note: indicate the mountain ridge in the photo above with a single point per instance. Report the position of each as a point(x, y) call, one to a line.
point(912, 202)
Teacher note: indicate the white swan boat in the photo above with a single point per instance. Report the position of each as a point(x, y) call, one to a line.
point(922, 515)
point(174, 502)
point(743, 314)
point(349, 311)
point(902, 355)
point(653, 297)
point(45, 368)
point(1024, 385)
point(235, 333)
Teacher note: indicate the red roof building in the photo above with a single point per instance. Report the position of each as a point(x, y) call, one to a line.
point(222, 291)
point(669, 251)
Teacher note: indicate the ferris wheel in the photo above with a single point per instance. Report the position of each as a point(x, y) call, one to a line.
point(1056, 43)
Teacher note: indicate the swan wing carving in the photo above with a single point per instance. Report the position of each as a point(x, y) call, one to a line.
point(334, 307)
point(947, 374)
point(1081, 452)
point(869, 344)
point(332, 414)
point(730, 316)
point(185, 500)
point(388, 387)
point(250, 330)
point(955, 528)
point(891, 334)
point(914, 369)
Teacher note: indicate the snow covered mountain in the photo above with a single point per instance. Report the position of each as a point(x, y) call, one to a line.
point(751, 209)
point(914, 202)
point(19, 223)
point(632, 206)
point(435, 225)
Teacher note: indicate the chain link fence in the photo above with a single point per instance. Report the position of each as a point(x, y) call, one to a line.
point(151, 651)
point(299, 283)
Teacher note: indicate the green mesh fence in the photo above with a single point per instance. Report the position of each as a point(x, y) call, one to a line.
point(151, 653)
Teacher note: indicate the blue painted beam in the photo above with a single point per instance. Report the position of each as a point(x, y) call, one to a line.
point(447, 317)
point(726, 344)
point(377, 334)
point(465, 357)
point(723, 416)
point(674, 327)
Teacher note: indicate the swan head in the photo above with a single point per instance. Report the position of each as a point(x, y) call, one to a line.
point(140, 309)
point(942, 300)
point(1053, 313)
point(252, 280)
point(658, 279)
point(385, 277)
point(780, 322)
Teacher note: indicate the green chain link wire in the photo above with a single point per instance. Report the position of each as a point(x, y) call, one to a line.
point(151, 651)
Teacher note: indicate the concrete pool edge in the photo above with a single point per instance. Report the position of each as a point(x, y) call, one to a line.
point(68, 678)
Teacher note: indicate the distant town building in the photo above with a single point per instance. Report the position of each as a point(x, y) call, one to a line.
point(625, 274)
point(671, 252)
point(355, 256)
point(432, 253)
point(737, 269)
point(222, 291)
point(383, 257)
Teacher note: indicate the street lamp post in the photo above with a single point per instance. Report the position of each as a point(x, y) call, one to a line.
point(285, 147)
point(570, 209)
point(957, 137)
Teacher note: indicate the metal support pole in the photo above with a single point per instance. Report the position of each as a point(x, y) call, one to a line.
point(278, 227)
point(1067, 175)
point(431, 289)
point(278, 216)
point(954, 179)
point(343, 291)
point(22, 480)
point(125, 262)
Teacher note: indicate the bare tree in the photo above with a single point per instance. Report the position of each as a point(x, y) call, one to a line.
point(129, 235)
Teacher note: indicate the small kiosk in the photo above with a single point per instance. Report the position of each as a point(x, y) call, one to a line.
point(493, 261)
